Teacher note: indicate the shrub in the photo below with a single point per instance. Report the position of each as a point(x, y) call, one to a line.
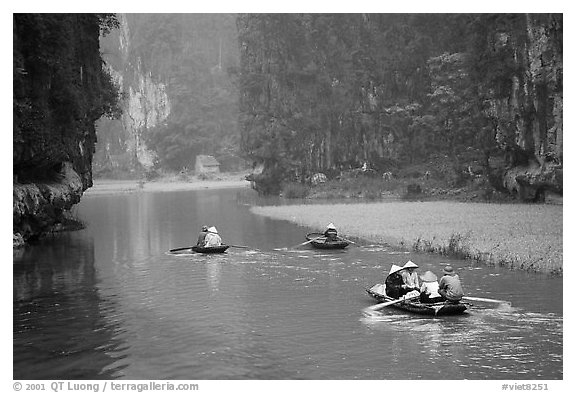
point(295, 190)
point(151, 174)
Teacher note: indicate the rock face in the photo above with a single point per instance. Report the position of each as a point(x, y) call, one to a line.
point(177, 73)
point(145, 106)
point(535, 182)
point(530, 127)
point(60, 90)
point(37, 207)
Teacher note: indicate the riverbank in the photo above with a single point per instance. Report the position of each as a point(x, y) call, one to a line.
point(107, 186)
point(526, 237)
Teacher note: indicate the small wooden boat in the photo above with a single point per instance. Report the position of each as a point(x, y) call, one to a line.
point(325, 244)
point(414, 305)
point(210, 250)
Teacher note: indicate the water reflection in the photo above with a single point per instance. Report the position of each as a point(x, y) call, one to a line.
point(213, 272)
point(56, 301)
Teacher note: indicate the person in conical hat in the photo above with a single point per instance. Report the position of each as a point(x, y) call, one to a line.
point(429, 289)
point(394, 269)
point(212, 238)
point(428, 277)
point(410, 276)
point(331, 233)
point(410, 264)
point(395, 283)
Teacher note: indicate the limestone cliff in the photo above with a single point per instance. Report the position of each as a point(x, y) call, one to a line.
point(38, 207)
point(60, 90)
point(530, 126)
point(145, 106)
point(329, 93)
point(179, 97)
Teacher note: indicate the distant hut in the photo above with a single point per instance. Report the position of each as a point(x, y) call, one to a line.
point(206, 164)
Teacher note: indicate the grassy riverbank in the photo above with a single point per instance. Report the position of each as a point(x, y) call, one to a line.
point(168, 183)
point(527, 237)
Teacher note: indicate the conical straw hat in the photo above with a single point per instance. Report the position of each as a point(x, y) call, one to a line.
point(428, 277)
point(409, 264)
point(394, 269)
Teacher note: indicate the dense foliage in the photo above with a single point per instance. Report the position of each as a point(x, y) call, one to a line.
point(60, 90)
point(330, 92)
point(197, 55)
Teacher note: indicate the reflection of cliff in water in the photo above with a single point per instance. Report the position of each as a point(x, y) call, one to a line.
point(60, 328)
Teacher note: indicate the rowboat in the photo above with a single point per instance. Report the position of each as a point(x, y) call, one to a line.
point(414, 306)
point(211, 250)
point(325, 244)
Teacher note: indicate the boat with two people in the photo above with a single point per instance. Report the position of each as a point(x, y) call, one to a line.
point(209, 242)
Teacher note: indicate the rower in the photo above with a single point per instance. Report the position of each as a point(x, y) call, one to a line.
point(450, 286)
point(331, 233)
point(202, 236)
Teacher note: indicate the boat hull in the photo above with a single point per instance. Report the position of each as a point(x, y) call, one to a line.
point(414, 306)
point(326, 245)
point(211, 250)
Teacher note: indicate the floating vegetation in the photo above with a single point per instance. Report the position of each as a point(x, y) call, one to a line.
point(516, 236)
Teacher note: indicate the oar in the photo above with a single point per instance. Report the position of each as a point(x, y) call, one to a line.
point(181, 248)
point(246, 247)
point(349, 241)
point(309, 241)
point(481, 299)
point(382, 305)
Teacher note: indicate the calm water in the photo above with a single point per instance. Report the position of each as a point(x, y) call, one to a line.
point(110, 302)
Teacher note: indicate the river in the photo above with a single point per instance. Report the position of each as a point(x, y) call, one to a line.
point(110, 302)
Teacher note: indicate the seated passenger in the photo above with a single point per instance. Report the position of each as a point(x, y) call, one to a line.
point(410, 277)
point(212, 238)
point(395, 287)
point(429, 289)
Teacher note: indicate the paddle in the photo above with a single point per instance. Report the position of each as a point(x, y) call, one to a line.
point(349, 241)
point(181, 248)
point(382, 305)
point(481, 299)
point(246, 247)
point(309, 241)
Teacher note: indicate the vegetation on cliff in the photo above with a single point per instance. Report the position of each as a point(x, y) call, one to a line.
point(328, 93)
point(60, 90)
